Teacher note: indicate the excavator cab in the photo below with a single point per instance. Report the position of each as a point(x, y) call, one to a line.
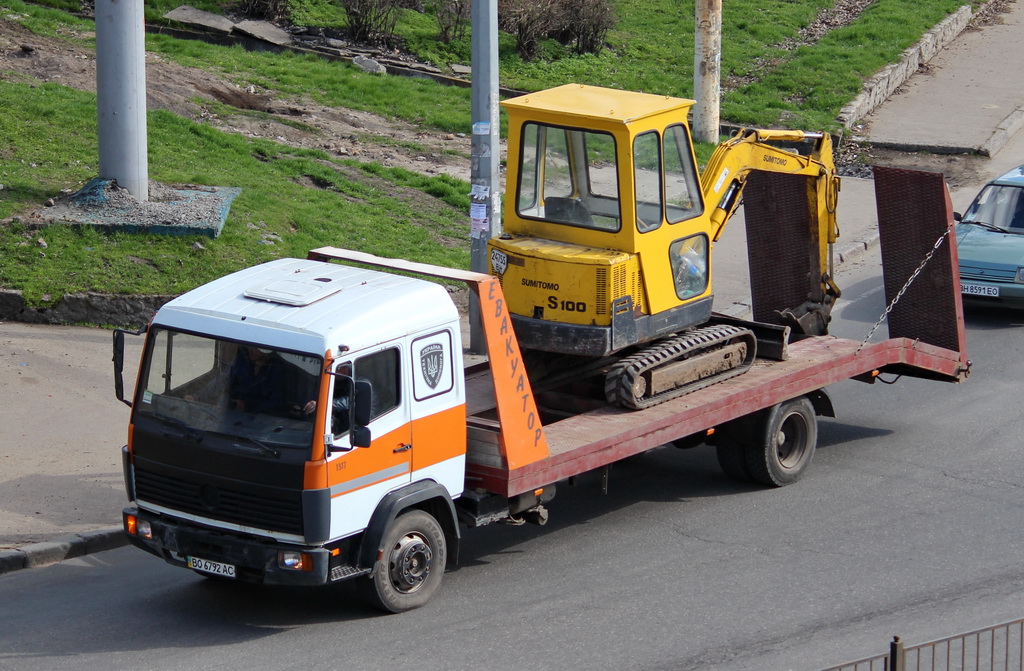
point(604, 223)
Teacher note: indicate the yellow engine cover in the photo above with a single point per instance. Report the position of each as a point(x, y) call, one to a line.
point(562, 282)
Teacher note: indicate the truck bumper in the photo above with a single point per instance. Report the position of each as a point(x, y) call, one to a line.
point(254, 560)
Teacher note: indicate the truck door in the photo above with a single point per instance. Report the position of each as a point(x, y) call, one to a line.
point(438, 409)
point(361, 476)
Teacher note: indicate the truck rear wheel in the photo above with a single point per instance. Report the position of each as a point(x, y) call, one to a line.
point(732, 458)
point(773, 447)
point(786, 443)
point(411, 569)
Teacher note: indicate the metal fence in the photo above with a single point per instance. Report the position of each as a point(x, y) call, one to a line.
point(998, 648)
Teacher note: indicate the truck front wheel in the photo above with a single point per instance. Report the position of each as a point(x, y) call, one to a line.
point(412, 566)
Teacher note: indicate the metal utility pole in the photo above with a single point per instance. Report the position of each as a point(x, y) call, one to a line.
point(707, 71)
point(485, 204)
point(121, 94)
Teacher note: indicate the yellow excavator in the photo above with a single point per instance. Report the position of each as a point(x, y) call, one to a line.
point(605, 258)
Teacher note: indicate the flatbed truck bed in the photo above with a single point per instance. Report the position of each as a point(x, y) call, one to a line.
point(601, 436)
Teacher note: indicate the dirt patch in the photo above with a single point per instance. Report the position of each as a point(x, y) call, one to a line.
point(209, 98)
point(855, 159)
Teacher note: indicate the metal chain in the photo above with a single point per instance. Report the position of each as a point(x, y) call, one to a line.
point(899, 294)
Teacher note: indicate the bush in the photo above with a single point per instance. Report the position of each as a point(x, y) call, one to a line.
point(530, 21)
point(371, 20)
point(453, 17)
point(268, 10)
point(584, 24)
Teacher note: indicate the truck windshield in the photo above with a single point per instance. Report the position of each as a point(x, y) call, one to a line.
point(242, 391)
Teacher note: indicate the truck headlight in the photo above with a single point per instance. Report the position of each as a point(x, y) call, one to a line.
point(137, 527)
point(1019, 277)
point(294, 561)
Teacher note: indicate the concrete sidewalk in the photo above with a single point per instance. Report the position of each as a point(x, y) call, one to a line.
point(61, 489)
point(969, 98)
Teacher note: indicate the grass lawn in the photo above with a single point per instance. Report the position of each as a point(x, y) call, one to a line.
point(291, 201)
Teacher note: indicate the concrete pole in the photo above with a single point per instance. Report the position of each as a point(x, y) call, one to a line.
point(485, 203)
point(707, 71)
point(121, 94)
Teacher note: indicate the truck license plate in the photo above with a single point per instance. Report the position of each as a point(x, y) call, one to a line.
point(978, 290)
point(214, 567)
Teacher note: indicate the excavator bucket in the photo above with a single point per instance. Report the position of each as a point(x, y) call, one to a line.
point(915, 220)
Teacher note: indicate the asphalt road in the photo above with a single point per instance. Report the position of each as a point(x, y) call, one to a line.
point(908, 523)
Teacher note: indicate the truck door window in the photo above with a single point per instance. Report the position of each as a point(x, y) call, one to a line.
point(568, 176)
point(682, 188)
point(689, 259)
point(381, 370)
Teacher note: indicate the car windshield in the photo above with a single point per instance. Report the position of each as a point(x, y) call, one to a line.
point(204, 385)
point(999, 206)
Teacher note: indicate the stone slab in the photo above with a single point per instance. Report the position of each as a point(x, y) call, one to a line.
point(267, 32)
point(201, 19)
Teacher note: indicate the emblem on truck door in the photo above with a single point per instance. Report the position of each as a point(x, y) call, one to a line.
point(432, 364)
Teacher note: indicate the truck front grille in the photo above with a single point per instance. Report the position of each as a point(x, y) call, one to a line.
point(268, 508)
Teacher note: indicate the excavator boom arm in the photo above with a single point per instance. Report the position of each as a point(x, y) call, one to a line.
point(776, 151)
point(752, 149)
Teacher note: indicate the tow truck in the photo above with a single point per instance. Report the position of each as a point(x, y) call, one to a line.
point(375, 446)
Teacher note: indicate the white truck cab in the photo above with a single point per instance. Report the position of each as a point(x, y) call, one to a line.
point(242, 458)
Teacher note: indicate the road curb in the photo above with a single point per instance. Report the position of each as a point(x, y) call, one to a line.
point(1003, 132)
point(57, 550)
point(852, 250)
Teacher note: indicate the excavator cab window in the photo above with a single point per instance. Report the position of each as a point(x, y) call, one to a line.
point(667, 188)
point(689, 259)
point(568, 176)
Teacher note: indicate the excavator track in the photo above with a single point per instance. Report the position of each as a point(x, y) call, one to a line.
point(680, 365)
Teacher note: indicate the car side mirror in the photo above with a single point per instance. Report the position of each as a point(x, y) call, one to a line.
point(957, 216)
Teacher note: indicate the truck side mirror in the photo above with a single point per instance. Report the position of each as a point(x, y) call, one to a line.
point(361, 437)
point(119, 363)
point(363, 401)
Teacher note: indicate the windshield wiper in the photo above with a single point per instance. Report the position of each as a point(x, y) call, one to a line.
point(257, 447)
point(992, 227)
point(189, 431)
